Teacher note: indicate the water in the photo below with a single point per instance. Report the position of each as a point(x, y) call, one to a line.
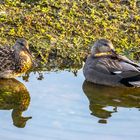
point(64, 107)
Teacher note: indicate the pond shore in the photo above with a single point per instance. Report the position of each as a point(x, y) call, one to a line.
point(65, 29)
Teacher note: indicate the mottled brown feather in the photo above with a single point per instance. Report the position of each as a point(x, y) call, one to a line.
point(7, 60)
point(15, 61)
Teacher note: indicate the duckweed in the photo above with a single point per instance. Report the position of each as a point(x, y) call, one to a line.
point(61, 32)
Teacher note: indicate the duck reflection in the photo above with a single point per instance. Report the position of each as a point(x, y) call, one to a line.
point(14, 95)
point(102, 97)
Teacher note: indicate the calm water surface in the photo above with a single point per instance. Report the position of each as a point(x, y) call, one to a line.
point(64, 107)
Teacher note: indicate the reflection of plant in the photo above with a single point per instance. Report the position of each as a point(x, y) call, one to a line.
point(70, 26)
point(14, 95)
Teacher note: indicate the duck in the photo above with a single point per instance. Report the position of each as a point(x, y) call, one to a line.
point(104, 66)
point(16, 60)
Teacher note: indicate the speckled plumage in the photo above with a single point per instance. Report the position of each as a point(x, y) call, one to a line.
point(16, 60)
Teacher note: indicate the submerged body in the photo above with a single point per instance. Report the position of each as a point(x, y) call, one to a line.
point(16, 60)
point(105, 67)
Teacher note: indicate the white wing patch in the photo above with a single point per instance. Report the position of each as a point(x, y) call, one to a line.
point(117, 72)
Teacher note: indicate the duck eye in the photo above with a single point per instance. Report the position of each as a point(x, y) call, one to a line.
point(105, 44)
point(21, 43)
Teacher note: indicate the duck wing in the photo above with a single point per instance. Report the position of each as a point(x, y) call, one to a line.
point(114, 66)
point(126, 60)
point(123, 68)
point(6, 59)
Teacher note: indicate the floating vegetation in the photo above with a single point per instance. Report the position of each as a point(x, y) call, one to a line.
point(64, 30)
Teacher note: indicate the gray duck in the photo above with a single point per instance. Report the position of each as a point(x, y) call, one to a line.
point(105, 67)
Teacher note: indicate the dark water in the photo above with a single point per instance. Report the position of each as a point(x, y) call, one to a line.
point(64, 107)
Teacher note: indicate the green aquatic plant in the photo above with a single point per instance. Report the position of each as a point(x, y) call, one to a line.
point(70, 26)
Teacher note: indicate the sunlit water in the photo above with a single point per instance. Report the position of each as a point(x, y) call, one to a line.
point(63, 107)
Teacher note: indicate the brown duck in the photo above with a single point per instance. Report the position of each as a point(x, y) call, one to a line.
point(16, 60)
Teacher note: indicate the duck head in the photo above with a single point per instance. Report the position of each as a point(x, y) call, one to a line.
point(21, 49)
point(102, 47)
point(21, 45)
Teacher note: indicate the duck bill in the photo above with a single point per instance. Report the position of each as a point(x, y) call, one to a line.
point(113, 52)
